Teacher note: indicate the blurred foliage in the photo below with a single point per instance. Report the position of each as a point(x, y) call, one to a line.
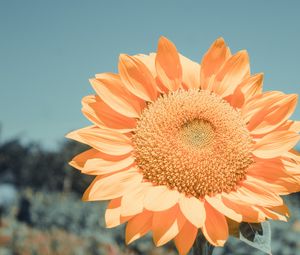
point(61, 224)
point(31, 166)
point(64, 225)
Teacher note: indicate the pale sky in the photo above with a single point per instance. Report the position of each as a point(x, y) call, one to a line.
point(49, 50)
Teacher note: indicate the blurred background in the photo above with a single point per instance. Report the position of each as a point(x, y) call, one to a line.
point(49, 49)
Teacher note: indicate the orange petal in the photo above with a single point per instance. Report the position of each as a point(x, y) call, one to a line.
point(75, 135)
point(190, 72)
point(257, 102)
point(273, 176)
point(138, 226)
point(292, 155)
point(287, 125)
point(168, 65)
point(137, 78)
point(186, 238)
point(272, 167)
point(160, 198)
point(97, 163)
point(193, 209)
point(166, 225)
point(279, 186)
point(80, 160)
point(111, 90)
point(248, 212)
point(234, 71)
point(254, 194)
point(104, 140)
point(295, 126)
point(103, 116)
point(275, 144)
point(292, 168)
point(149, 61)
point(270, 214)
point(215, 228)
point(247, 89)
point(133, 201)
point(112, 214)
point(270, 117)
point(283, 210)
point(253, 188)
point(112, 186)
point(212, 61)
point(217, 203)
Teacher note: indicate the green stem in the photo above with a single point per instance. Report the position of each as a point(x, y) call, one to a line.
point(202, 246)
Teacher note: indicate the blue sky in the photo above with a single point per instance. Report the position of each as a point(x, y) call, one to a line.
point(49, 49)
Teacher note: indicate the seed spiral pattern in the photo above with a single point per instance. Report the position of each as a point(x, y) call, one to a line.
point(192, 141)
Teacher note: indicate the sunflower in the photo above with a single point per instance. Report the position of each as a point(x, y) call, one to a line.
point(179, 147)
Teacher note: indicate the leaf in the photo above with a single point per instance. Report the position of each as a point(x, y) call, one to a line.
point(233, 228)
point(257, 235)
point(249, 230)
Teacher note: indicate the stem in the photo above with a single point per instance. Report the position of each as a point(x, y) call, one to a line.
point(202, 246)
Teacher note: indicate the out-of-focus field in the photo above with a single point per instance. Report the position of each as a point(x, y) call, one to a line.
point(42, 213)
point(64, 225)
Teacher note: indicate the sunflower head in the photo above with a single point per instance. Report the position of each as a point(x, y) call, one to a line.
point(180, 147)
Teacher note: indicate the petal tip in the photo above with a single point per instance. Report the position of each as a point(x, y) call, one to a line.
point(164, 41)
point(243, 54)
point(162, 38)
point(123, 56)
point(220, 42)
point(85, 197)
point(71, 135)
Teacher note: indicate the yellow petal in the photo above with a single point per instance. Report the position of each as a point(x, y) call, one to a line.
point(193, 209)
point(112, 186)
point(234, 71)
point(138, 226)
point(105, 117)
point(295, 126)
point(212, 62)
point(215, 228)
point(274, 177)
point(75, 135)
point(190, 73)
point(160, 198)
point(111, 90)
point(257, 102)
point(166, 225)
point(283, 210)
point(254, 194)
point(291, 164)
point(248, 211)
point(275, 144)
point(168, 65)
point(186, 238)
point(133, 201)
point(112, 214)
point(107, 141)
point(97, 163)
point(272, 116)
point(270, 214)
point(149, 61)
point(137, 78)
point(248, 88)
point(217, 203)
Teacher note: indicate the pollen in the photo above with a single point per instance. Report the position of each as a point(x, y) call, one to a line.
point(192, 141)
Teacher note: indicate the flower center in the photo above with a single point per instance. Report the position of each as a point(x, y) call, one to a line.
point(196, 133)
point(192, 141)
